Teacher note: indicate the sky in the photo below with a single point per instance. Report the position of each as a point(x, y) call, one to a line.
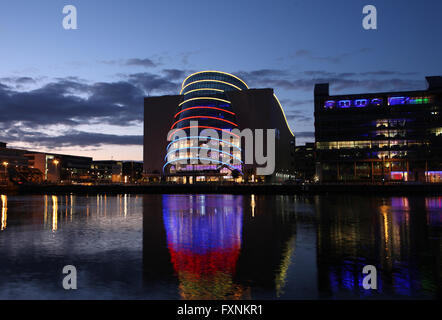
point(81, 91)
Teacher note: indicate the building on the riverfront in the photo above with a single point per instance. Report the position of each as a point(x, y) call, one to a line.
point(222, 102)
point(14, 167)
point(132, 171)
point(305, 162)
point(106, 171)
point(13, 157)
point(379, 136)
point(60, 168)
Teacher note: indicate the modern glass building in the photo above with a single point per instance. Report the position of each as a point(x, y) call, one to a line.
point(205, 101)
point(387, 136)
point(190, 137)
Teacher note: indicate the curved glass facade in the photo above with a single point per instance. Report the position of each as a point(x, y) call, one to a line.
point(205, 104)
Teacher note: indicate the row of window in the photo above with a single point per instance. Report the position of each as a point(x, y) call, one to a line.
point(366, 144)
point(364, 102)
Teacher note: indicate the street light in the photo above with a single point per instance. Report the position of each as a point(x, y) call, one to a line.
point(5, 164)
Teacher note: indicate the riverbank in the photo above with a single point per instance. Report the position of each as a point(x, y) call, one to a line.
point(396, 189)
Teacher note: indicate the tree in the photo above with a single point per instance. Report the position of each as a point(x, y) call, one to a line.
point(236, 174)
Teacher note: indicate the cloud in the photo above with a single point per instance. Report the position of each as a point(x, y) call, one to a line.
point(175, 74)
point(298, 115)
point(137, 62)
point(69, 139)
point(152, 83)
point(141, 62)
point(71, 101)
point(383, 80)
point(305, 134)
point(296, 103)
point(302, 53)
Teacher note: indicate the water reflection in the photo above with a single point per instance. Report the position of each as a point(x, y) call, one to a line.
point(220, 246)
point(204, 241)
point(55, 213)
point(391, 234)
point(4, 211)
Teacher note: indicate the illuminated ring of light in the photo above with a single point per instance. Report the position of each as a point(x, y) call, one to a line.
point(211, 160)
point(206, 127)
point(204, 117)
point(205, 148)
point(203, 98)
point(204, 89)
point(198, 137)
point(214, 71)
point(286, 122)
point(202, 107)
point(217, 81)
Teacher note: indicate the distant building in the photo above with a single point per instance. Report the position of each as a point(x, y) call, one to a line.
point(132, 171)
point(305, 161)
point(221, 102)
point(107, 171)
point(62, 168)
point(14, 157)
point(13, 166)
point(379, 136)
point(48, 164)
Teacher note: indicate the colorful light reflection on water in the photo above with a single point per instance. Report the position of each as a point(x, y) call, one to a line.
point(220, 246)
point(204, 240)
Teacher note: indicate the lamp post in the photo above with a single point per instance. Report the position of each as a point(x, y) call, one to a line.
point(56, 162)
point(5, 164)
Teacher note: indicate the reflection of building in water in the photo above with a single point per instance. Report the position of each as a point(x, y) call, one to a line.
point(204, 241)
point(387, 233)
point(433, 207)
point(217, 246)
point(268, 243)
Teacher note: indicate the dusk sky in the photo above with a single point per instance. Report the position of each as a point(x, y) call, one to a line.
point(81, 91)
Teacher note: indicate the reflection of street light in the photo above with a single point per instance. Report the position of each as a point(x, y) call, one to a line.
point(383, 169)
point(56, 162)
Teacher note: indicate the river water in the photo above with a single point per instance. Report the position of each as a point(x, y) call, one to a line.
point(220, 246)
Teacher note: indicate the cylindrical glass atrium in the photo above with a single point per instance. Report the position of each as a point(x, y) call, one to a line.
point(201, 138)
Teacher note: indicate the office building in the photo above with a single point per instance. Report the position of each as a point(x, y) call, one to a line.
point(378, 137)
point(221, 102)
point(107, 171)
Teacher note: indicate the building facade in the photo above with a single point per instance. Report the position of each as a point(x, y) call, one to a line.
point(60, 168)
point(14, 167)
point(305, 162)
point(132, 171)
point(11, 156)
point(175, 131)
point(378, 137)
point(107, 171)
